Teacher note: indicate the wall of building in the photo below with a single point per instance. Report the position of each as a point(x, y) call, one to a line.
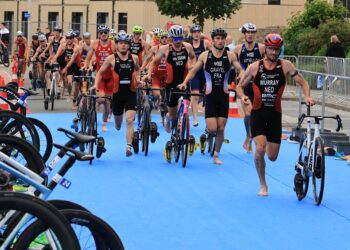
point(144, 13)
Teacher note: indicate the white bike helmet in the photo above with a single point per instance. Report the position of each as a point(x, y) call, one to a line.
point(123, 36)
point(19, 33)
point(176, 31)
point(248, 27)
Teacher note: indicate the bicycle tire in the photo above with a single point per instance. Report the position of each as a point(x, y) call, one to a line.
point(211, 144)
point(102, 234)
point(318, 174)
point(14, 123)
point(146, 128)
point(92, 131)
point(45, 137)
point(185, 135)
point(177, 144)
point(31, 157)
point(303, 160)
point(45, 213)
point(139, 105)
point(52, 94)
point(5, 58)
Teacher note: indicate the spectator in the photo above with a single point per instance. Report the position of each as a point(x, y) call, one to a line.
point(48, 32)
point(229, 44)
point(187, 34)
point(4, 33)
point(335, 49)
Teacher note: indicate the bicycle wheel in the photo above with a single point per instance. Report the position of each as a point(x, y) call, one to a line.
point(52, 94)
point(185, 135)
point(139, 96)
point(21, 151)
point(45, 213)
point(303, 161)
point(176, 141)
point(92, 130)
point(91, 231)
point(5, 58)
point(145, 129)
point(319, 170)
point(13, 123)
point(211, 144)
point(45, 138)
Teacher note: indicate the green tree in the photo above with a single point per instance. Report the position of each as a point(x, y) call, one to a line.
point(302, 24)
point(198, 9)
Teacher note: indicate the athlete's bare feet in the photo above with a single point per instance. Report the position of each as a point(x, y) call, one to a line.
point(247, 145)
point(263, 191)
point(216, 160)
point(104, 128)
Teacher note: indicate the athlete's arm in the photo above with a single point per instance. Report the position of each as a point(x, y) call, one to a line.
point(147, 58)
point(207, 45)
point(90, 54)
point(109, 63)
point(248, 76)
point(50, 41)
point(156, 60)
point(237, 50)
point(136, 69)
point(192, 73)
point(29, 47)
point(191, 55)
point(59, 52)
point(290, 69)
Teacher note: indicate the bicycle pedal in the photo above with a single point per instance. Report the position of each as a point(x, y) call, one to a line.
point(298, 186)
point(226, 141)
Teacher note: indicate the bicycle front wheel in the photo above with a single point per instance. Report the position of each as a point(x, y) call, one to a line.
point(303, 161)
point(146, 128)
point(319, 170)
point(92, 131)
point(46, 214)
point(185, 135)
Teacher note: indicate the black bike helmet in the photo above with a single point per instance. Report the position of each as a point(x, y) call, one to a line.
point(218, 32)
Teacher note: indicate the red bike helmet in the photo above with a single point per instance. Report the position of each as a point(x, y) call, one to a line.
point(274, 40)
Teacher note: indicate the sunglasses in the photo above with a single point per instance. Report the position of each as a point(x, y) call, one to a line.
point(177, 39)
point(164, 37)
point(43, 41)
point(137, 33)
point(69, 37)
point(103, 32)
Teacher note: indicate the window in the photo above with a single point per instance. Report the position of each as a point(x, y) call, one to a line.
point(275, 2)
point(24, 26)
point(102, 18)
point(123, 21)
point(346, 3)
point(53, 19)
point(77, 21)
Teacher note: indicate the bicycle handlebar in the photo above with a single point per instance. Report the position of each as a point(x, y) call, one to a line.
point(318, 118)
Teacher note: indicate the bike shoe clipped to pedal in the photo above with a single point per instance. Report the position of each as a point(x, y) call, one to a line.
point(168, 151)
point(100, 147)
point(203, 142)
point(154, 132)
point(135, 142)
point(191, 145)
point(298, 186)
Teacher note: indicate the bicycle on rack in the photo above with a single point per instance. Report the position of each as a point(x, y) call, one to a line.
point(53, 93)
point(87, 115)
point(146, 129)
point(100, 232)
point(18, 103)
point(4, 55)
point(181, 141)
point(311, 157)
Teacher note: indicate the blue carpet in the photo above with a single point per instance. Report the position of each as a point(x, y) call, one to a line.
point(156, 205)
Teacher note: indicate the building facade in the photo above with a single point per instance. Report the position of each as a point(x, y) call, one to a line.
point(85, 15)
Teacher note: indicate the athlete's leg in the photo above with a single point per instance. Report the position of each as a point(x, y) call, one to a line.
point(220, 135)
point(247, 145)
point(260, 150)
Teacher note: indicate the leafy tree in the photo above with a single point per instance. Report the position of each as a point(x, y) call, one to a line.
point(304, 23)
point(198, 9)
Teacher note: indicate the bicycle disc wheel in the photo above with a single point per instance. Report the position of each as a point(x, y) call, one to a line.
point(303, 160)
point(45, 213)
point(13, 123)
point(45, 138)
point(146, 128)
point(319, 171)
point(185, 134)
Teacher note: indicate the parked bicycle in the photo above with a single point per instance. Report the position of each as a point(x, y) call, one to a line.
point(311, 157)
point(181, 140)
